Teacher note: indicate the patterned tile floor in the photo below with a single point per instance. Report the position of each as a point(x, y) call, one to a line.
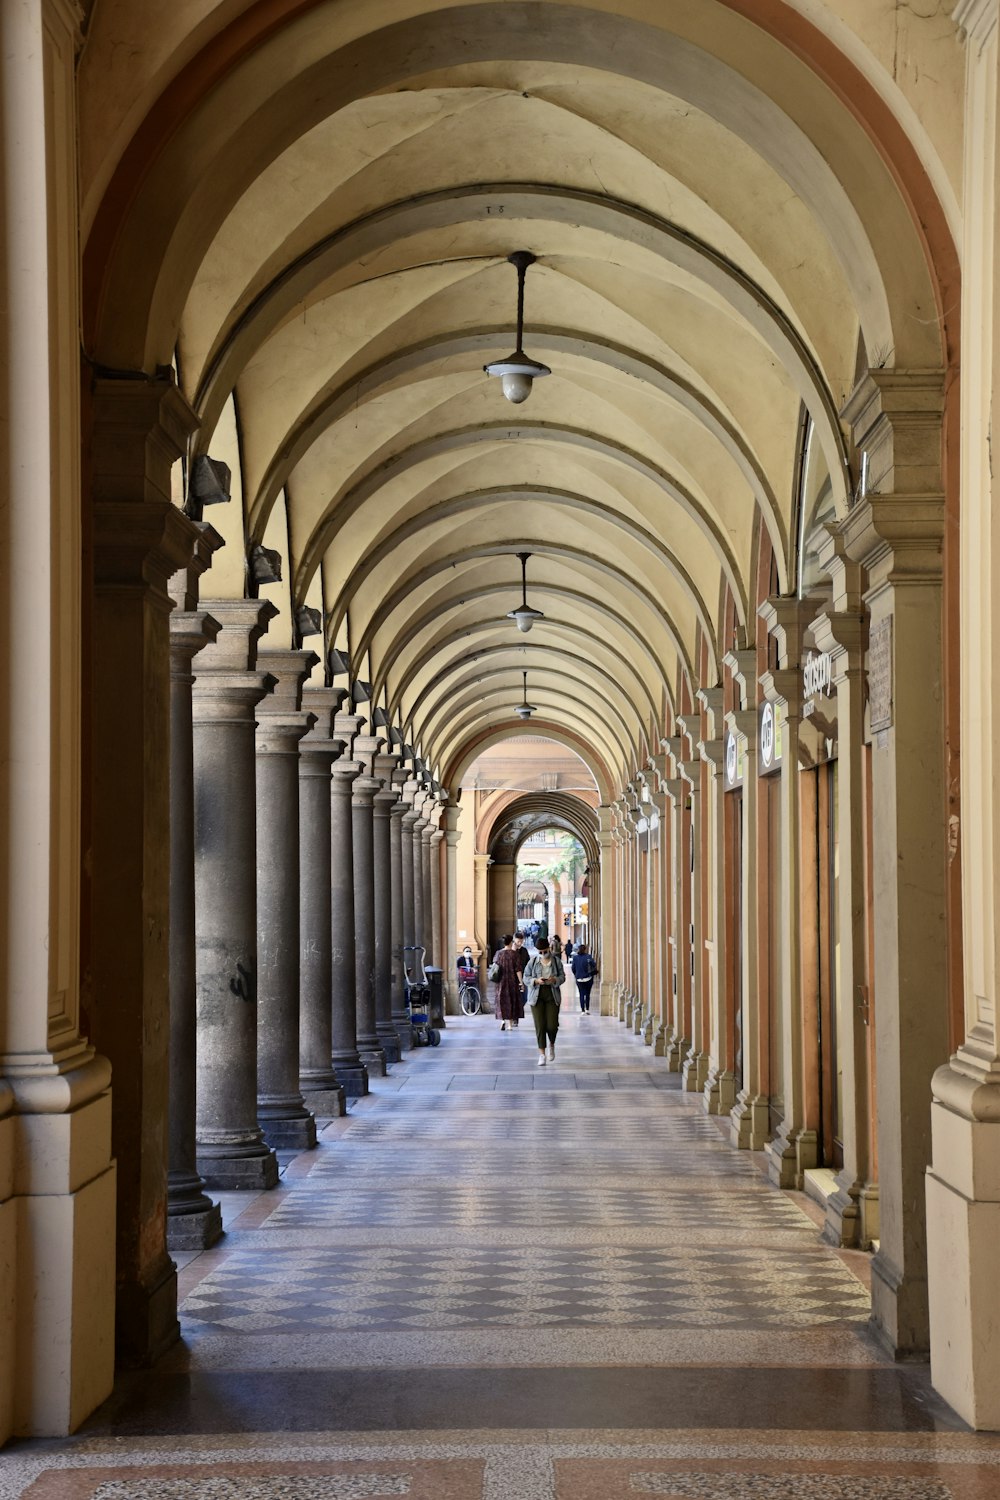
point(497, 1282)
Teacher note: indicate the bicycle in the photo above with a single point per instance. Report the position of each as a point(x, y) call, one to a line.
point(469, 997)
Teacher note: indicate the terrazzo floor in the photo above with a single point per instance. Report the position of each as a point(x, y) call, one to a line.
point(493, 1281)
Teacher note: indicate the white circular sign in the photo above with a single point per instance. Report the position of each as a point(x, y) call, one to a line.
point(731, 761)
point(767, 734)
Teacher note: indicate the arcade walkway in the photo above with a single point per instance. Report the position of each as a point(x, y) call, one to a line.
point(495, 1280)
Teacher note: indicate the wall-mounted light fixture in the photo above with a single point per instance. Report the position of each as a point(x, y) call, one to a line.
point(518, 370)
point(524, 616)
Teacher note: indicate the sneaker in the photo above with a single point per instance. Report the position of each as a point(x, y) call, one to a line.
point(541, 1059)
point(552, 1054)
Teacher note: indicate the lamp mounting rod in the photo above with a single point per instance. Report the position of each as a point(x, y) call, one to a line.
point(521, 259)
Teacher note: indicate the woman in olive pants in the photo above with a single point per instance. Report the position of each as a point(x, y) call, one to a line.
point(544, 978)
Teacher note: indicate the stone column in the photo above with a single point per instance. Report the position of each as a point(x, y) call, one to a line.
point(346, 1058)
point(419, 934)
point(363, 818)
point(232, 1152)
point(407, 823)
point(427, 907)
point(318, 1082)
point(897, 534)
point(963, 1185)
point(140, 428)
point(749, 1115)
point(193, 1221)
point(400, 1014)
point(436, 841)
point(321, 1089)
point(451, 837)
point(286, 1122)
point(385, 801)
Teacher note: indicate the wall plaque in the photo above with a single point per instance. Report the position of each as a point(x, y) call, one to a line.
point(880, 675)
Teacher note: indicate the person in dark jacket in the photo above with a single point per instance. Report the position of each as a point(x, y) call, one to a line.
point(584, 969)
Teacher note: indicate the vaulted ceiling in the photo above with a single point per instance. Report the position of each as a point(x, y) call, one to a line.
point(315, 224)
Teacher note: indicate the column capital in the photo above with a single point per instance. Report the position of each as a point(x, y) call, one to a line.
point(140, 428)
point(190, 631)
point(788, 621)
point(784, 686)
point(243, 622)
point(365, 748)
point(895, 421)
point(714, 753)
point(184, 585)
point(290, 670)
point(346, 727)
point(845, 637)
point(141, 546)
point(712, 700)
point(743, 667)
point(364, 789)
point(898, 538)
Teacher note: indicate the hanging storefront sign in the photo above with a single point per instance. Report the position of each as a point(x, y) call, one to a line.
point(735, 760)
point(817, 680)
point(772, 737)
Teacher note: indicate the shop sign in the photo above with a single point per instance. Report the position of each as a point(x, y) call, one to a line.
point(817, 679)
point(735, 759)
point(772, 737)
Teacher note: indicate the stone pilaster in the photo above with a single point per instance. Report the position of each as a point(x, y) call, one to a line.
point(193, 1221)
point(852, 1210)
point(720, 1082)
point(400, 1014)
point(344, 1018)
point(408, 822)
point(140, 428)
point(363, 792)
point(897, 534)
point(694, 1069)
point(385, 801)
point(281, 723)
point(677, 1033)
point(320, 1087)
point(963, 1185)
point(232, 1152)
point(794, 1148)
point(606, 946)
point(749, 1115)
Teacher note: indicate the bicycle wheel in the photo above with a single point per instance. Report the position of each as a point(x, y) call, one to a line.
point(471, 1000)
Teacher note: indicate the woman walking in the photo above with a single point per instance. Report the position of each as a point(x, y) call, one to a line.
point(544, 977)
point(510, 989)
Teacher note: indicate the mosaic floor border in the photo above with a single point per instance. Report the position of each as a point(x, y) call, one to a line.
point(512, 1465)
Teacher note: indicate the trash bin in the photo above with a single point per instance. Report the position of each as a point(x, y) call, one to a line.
point(435, 982)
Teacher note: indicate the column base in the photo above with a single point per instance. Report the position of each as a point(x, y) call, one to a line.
point(240, 1173)
point(194, 1230)
point(649, 1031)
point(389, 1042)
point(295, 1133)
point(962, 1236)
point(354, 1078)
point(404, 1030)
point(694, 1072)
point(844, 1225)
point(748, 1120)
point(193, 1221)
point(899, 1320)
point(638, 1018)
point(325, 1103)
point(783, 1159)
point(146, 1323)
point(719, 1092)
point(676, 1052)
point(374, 1061)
